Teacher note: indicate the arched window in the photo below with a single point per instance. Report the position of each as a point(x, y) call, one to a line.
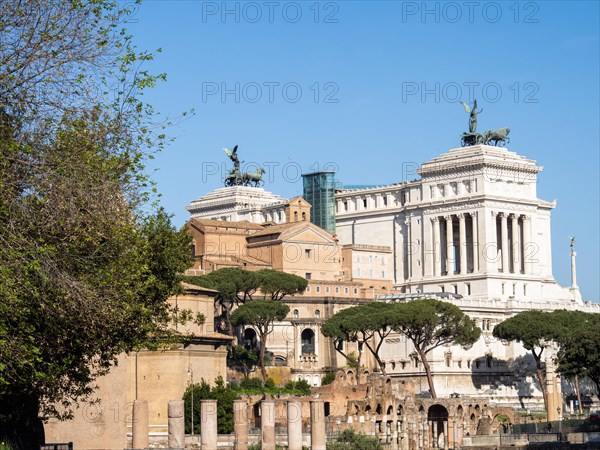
point(296, 315)
point(318, 314)
point(307, 341)
point(250, 339)
point(295, 216)
point(303, 216)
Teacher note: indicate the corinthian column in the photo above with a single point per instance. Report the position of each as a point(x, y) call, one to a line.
point(516, 260)
point(462, 231)
point(437, 256)
point(475, 234)
point(504, 234)
point(449, 246)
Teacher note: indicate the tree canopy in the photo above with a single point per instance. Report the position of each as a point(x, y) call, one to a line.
point(431, 323)
point(534, 330)
point(236, 286)
point(348, 325)
point(87, 261)
point(277, 285)
point(260, 314)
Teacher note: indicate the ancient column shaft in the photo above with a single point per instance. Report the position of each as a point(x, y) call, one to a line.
point(317, 425)
point(176, 424)
point(294, 422)
point(240, 424)
point(208, 430)
point(267, 424)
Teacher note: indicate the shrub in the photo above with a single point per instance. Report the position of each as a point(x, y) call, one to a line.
point(250, 383)
point(270, 383)
point(303, 386)
point(350, 440)
point(328, 378)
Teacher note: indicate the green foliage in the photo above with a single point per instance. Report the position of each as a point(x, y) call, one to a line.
point(86, 261)
point(579, 338)
point(250, 383)
point(260, 314)
point(202, 391)
point(234, 286)
point(328, 378)
point(277, 285)
point(431, 323)
point(303, 386)
point(351, 440)
point(240, 357)
point(270, 383)
point(352, 360)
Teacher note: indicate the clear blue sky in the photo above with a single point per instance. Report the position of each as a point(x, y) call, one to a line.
point(371, 87)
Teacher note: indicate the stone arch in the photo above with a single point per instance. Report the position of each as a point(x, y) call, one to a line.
point(437, 418)
point(400, 410)
point(368, 408)
point(378, 409)
point(390, 410)
point(459, 411)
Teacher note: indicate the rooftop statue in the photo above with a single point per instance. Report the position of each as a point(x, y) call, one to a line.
point(472, 115)
point(495, 137)
point(236, 177)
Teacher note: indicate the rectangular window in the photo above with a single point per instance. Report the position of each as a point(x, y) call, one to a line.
point(346, 290)
point(337, 290)
point(364, 203)
point(468, 289)
point(383, 274)
point(307, 253)
point(307, 288)
point(318, 288)
point(356, 290)
point(327, 289)
point(385, 200)
point(345, 206)
point(308, 276)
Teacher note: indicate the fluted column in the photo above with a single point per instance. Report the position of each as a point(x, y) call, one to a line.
point(409, 243)
point(462, 232)
point(516, 260)
point(527, 264)
point(449, 246)
point(475, 239)
point(437, 256)
point(504, 242)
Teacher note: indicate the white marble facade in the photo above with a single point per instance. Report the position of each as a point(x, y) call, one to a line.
point(473, 232)
point(472, 225)
point(237, 203)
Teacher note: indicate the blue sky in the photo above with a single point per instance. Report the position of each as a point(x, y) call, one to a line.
point(370, 89)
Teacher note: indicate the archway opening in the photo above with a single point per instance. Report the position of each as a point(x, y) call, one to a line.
point(437, 417)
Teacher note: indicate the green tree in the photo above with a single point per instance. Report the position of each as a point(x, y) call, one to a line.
point(380, 320)
point(260, 314)
point(578, 335)
point(349, 325)
point(277, 285)
point(534, 330)
point(431, 323)
point(85, 264)
point(234, 286)
point(224, 396)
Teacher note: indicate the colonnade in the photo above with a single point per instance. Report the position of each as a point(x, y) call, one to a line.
point(466, 242)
